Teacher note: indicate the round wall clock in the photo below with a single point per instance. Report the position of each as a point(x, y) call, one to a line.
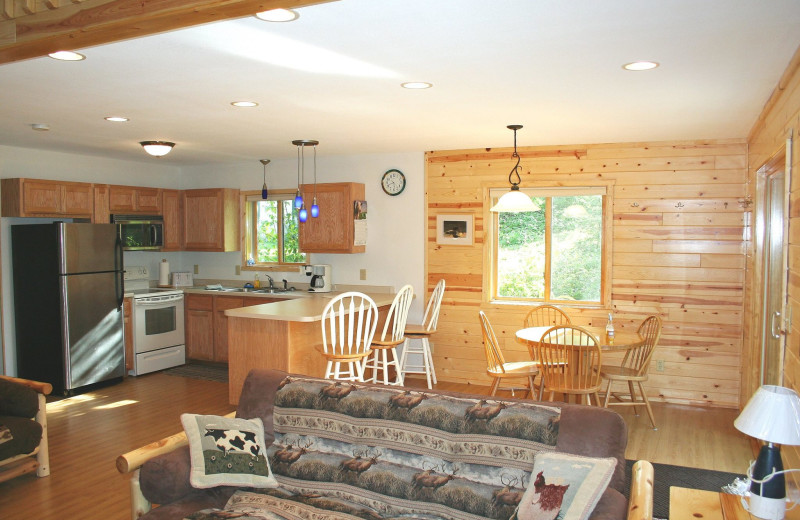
point(393, 182)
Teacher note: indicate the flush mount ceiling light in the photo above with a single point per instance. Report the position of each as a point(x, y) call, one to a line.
point(116, 119)
point(157, 148)
point(264, 191)
point(243, 104)
point(67, 56)
point(416, 85)
point(40, 127)
point(640, 65)
point(514, 201)
point(278, 15)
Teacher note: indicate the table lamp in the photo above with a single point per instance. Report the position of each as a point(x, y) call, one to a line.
point(772, 415)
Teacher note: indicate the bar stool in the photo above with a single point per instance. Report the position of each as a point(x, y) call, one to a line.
point(348, 325)
point(378, 360)
point(422, 333)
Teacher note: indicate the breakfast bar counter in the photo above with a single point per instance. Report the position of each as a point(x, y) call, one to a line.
point(283, 335)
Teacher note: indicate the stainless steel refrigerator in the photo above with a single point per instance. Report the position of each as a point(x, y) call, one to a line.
point(68, 303)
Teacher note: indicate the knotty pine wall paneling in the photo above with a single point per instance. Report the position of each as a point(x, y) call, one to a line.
point(779, 119)
point(678, 251)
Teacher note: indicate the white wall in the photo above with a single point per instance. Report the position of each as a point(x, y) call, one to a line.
point(396, 226)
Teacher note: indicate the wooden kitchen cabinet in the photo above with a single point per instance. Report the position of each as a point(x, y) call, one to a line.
point(333, 231)
point(211, 220)
point(41, 198)
point(127, 328)
point(172, 208)
point(100, 213)
point(221, 304)
point(199, 310)
point(132, 199)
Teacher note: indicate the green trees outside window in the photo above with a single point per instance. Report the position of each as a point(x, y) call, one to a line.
point(570, 269)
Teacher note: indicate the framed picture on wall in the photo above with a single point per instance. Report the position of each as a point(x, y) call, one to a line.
point(454, 230)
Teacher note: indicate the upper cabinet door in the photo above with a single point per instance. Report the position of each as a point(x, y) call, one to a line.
point(129, 199)
point(42, 198)
point(334, 230)
point(211, 220)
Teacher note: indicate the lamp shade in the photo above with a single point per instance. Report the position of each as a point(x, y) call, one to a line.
point(514, 202)
point(772, 415)
point(157, 148)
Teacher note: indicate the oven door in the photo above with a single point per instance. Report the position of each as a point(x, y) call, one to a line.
point(158, 322)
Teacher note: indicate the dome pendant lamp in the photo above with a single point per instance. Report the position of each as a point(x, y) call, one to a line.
point(264, 191)
point(299, 203)
point(514, 201)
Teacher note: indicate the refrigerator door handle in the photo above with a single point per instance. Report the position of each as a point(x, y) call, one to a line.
point(118, 272)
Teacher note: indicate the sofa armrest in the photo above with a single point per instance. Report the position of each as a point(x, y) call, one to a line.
point(38, 386)
point(640, 504)
point(132, 461)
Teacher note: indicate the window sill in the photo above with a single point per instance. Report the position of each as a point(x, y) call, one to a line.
point(274, 267)
point(523, 303)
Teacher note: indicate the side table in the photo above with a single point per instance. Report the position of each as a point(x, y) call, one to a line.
point(694, 504)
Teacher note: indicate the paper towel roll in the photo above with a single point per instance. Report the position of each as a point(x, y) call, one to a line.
point(163, 273)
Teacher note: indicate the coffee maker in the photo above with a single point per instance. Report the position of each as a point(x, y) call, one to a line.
point(321, 280)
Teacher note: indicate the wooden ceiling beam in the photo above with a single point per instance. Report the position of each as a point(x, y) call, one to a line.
point(80, 24)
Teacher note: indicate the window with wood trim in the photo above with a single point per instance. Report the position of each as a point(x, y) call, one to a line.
point(557, 254)
point(271, 230)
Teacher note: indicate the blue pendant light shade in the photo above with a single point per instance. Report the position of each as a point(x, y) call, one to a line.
point(264, 190)
point(299, 203)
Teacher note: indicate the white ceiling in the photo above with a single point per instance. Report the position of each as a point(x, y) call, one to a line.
point(334, 75)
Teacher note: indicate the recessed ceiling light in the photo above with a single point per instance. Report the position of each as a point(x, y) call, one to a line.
point(116, 119)
point(416, 84)
point(67, 56)
point(278, 15)
point(244, 103)
point(640, 65)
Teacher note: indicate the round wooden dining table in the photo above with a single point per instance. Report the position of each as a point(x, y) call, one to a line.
point(621, 341)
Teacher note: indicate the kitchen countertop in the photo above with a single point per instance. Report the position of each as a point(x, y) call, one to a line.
point(249, 294)
point(305, 308)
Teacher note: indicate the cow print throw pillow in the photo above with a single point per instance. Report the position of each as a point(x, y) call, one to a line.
point(227, 452)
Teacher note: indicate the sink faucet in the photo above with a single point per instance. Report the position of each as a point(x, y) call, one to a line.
point(285, 285)
point(271, 282)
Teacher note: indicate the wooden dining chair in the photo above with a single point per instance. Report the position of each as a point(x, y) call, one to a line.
point(496, 365)
point(634, 368)
point(569, 358)
point(383, 351)
point(348, 325)
point(418, 342)
point(546, 316)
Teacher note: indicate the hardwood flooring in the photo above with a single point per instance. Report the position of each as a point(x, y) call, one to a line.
point(88, 431)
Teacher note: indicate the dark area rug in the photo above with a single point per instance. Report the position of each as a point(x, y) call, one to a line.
point(680, 476)
point(207, 371)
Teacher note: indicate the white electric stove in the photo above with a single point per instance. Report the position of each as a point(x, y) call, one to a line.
point(158, 328)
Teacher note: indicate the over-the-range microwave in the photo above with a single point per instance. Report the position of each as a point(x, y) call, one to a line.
point(140, 232)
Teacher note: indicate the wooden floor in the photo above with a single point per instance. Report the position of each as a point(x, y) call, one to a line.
point(87, 432)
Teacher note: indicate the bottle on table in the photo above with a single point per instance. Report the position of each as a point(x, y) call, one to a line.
point(610, 326)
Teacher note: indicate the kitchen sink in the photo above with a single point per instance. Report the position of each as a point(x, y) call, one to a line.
point(273, 290)
point(266, 290)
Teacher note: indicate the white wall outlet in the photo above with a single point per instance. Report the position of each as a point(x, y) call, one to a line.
point(238, 269)
point(196, 269)
point(363, 274)
point(659, 365)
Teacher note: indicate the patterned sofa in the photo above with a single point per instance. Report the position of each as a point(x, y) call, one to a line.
point(344, 451)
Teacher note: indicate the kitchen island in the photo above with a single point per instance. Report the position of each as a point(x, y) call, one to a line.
point(284, 335)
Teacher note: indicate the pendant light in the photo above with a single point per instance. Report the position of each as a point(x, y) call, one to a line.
point(298, 199)
point(314, 206)
point(264, 191)
point(299, 203)
point(514, 201)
